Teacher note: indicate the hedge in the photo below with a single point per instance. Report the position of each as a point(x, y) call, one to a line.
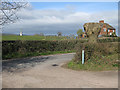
point(22, 47)
point(111, 39)
point(94, 50)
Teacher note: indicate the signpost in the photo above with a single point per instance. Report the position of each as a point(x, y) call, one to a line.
point(82, 56)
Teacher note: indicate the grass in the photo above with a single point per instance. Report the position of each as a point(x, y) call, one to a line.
point(30, 54)
point(96, 64)
point(48, 38)
point(34, 37)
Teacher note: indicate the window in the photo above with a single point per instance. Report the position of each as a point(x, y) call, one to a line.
point(113, 31)
point(104, 29)
point(108, 30)
point(110, 33)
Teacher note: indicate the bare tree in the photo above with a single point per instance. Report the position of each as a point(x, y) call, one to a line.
point(8, 9)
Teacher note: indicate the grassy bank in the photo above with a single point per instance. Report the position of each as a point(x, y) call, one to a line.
point(30, 54)
point(109, 62)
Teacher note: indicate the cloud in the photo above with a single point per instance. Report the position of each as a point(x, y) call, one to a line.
point(52, 21)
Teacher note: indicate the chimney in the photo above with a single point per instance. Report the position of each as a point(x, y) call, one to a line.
point(101, 21)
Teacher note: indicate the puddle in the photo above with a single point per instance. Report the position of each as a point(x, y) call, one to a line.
point(55, 65)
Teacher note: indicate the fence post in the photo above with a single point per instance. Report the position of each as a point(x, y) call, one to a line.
point(82, 56)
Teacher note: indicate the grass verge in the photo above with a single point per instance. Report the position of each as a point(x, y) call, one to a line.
point(30, 54)
point(96, 64)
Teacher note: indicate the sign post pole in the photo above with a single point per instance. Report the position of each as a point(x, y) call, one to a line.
point(82, 56)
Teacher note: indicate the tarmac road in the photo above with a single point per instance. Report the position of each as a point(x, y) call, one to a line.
point(46, 72)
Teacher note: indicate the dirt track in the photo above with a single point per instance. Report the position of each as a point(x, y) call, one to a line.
point(43, 72)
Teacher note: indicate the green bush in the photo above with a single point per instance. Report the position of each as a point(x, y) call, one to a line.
point(23, 47)
point(26, 47)
point(95, 50)
point(96, 64)
point(112, 39)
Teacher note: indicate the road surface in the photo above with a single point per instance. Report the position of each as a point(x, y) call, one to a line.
point(46, 72)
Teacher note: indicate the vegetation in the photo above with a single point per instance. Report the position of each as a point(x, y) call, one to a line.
point(34, 37)
point(92, 30)
point(23, 46)
point(11, 7)
point(113, 34)
point(93, 50)
point(37, 37)
point(99, 54)
point(80, 32)
point(51, 38)
point(109, 62)
point(10, 48)
point(59, 34)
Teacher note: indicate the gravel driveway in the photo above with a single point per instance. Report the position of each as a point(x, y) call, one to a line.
point(46, 72)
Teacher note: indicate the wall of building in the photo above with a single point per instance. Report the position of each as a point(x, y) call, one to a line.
point(103, 30)
point(111, 31)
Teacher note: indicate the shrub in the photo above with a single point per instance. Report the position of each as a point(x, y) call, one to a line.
point(95, 50)
point(112, 39)
point(23, 47)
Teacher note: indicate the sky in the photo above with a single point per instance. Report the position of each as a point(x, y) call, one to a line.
point(66, 17)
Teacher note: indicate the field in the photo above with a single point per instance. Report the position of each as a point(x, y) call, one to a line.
point(32, 37)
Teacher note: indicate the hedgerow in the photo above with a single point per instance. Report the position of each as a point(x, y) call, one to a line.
point(23, 47)
point(10, 48)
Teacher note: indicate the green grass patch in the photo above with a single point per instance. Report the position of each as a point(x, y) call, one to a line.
point(16, 37)
point(51, 38)
point(32, 37)
point(96, 64)
point(30, 54)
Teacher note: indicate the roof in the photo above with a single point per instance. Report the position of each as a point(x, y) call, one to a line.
point(108, 26)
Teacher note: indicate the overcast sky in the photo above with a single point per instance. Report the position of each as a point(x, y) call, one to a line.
point(66, 17)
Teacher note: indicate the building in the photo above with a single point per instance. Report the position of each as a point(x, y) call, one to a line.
point(106, 29)
point(21, 34)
